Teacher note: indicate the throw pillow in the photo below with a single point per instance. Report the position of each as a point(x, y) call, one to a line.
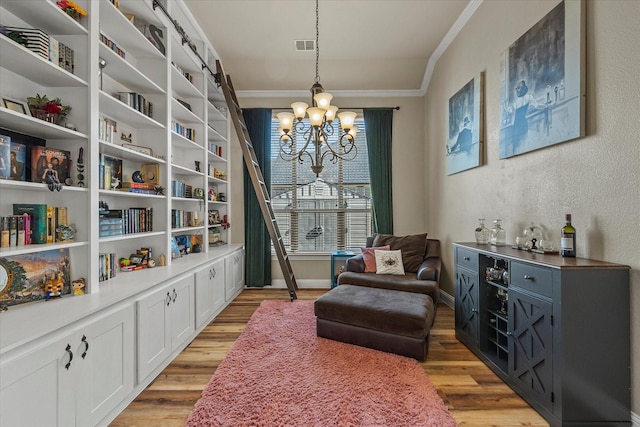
point(389, 262)
point(413, 248)
point(369, 256)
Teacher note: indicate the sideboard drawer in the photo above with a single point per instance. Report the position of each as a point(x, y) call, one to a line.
point(532, 277)
point(467, 258)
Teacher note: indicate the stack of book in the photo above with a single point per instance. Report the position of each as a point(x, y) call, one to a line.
point(181, 219)
point(188, 133)
point(137, 102)
point(180, 189)
point(35, 40)
point(116, 222)
point(138, 187)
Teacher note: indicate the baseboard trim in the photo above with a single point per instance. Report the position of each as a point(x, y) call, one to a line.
point(635, 419)
point(303, 284)
point(447, 299)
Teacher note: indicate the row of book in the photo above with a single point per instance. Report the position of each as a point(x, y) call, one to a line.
point(107, 266)
point(181, 219)
point(116, 222)
point(32, 224)
point(215, 149)
point(136, 101)
point(181, 189)
point(106, 129)
point(180, 129)
point(16, 159)
point(112, 45)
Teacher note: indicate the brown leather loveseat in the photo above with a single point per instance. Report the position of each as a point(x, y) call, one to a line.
point(422, 264)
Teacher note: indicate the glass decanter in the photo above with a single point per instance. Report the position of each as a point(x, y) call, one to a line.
point(483, 235)
point(498, 234)
point(532, 235)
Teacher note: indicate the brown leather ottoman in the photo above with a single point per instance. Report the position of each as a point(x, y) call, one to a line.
point(393, 321)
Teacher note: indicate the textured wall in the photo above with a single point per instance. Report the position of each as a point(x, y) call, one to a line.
point(596, 178)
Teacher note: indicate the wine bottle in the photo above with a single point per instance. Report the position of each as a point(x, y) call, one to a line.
point(568, 239)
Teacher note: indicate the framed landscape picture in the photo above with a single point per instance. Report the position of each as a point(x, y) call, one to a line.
point(466, 127)
point(34, 276)
point(542, 84)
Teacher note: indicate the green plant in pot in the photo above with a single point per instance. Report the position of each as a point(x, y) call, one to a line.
point(50, 110)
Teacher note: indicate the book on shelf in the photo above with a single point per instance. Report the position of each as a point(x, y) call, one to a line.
point(17, 162)
point(54, 55)
point(38, 214)
point(106, 129)
point(112, 173)
point(107, 266)
point(45, 160)
point(4, 231)
point(5, 158)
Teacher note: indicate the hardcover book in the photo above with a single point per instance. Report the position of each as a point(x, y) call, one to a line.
point(113, 179)
point(47, 160)
point(38, 215)
point(17, 162)
point(5, 148)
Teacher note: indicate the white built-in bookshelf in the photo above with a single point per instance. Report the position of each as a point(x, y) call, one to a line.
point(177, 130)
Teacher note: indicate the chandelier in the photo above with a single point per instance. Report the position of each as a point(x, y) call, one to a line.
point(315, 136)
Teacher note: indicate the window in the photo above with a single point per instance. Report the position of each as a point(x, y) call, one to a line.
point(326, 213)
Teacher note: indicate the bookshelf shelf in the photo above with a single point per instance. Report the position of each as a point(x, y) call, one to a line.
point(183, 115)
point(214, 136)
point(29, 249)
point(181, 170)
point(182, 86)
point(214, 113)
point(46, 16)
point(213, 157)
point(120, 111)
point(131, 236)
point(127, 74)
point(216, 180)
point(183, 143)
point(118, 193)
point(36, 186)
point(126, 153)
point(23, 123)
point(185, 199)
point(187, 229)
point(35, 67)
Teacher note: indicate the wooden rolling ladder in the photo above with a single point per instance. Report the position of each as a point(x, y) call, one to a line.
point(257, 179)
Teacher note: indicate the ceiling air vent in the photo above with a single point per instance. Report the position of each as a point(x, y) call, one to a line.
point(305, 45)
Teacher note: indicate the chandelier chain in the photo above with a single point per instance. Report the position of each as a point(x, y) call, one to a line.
point(317, 44)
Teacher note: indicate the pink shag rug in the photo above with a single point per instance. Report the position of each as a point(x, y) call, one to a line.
point(279, 373)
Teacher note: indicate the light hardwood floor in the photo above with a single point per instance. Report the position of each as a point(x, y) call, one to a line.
point(474, 394)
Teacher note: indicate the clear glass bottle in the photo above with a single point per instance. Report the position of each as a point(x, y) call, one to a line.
point(498, 234)
point(533, 235)
point(483, 235)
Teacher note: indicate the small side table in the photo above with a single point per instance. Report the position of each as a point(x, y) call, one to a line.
point(338, 264)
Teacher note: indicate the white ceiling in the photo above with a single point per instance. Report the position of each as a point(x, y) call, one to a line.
point(365, 45)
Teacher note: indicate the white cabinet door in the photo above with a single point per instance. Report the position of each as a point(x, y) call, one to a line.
point(238, 270)
point(209, 291)
point(154, 339)
point(106, 360)
point(37, 387)
point(234, 282)
point(181, 311)
point(165, 321)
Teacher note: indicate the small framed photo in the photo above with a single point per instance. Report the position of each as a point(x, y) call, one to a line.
point(214, 217)
point(17, 106)
point(150, 173)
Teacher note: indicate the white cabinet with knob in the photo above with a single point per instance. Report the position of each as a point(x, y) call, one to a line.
point(209, 291)
point(165, 323)
point(234, 264)
point(72, 379)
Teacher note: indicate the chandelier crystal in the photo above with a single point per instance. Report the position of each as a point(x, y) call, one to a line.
point(315, 137)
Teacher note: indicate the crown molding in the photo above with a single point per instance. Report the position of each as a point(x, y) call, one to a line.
point(447, 40)
point(408, 93)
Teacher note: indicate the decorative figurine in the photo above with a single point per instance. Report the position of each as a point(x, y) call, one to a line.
point(159, 190)
point(197, 165)
point(78, 285)
point(53, 288)
point(80, 167)
point(162, 260)
point(66, 233)
point(137, 176)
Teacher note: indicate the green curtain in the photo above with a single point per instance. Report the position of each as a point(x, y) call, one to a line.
point(378, 124)
point(257, 240)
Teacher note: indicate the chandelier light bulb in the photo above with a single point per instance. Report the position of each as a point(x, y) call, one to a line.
point(323, 100)
point(283, 136)
point(299, 109)
point(330, 115)
point(316, 114)
point(286, 120)
point(347, 118)
point(353, 132)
